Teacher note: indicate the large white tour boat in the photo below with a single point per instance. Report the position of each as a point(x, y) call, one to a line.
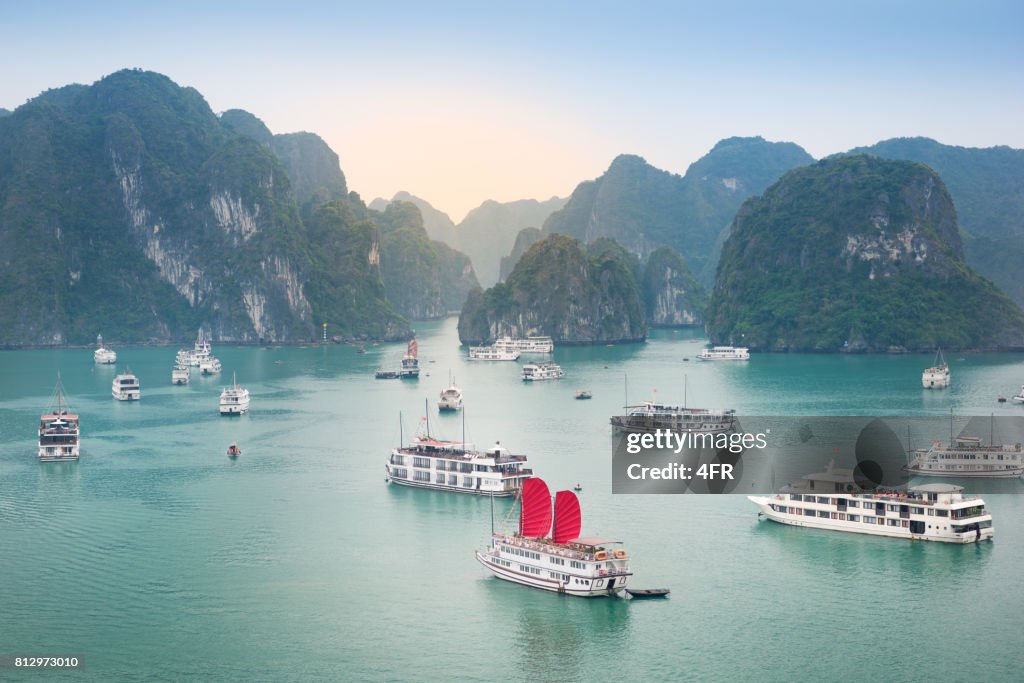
point(234, 400)
point(928, 512)
point(209, 366)
point(492, 353)
point(102, 355)
point(937, 376)
point(58, 430)
point(181, 374)
point(967, 456)
point(528, 345)
point(125, 387)
point(542, 371)
point(652, 415)
point(453, 466)
point(724, 353)
point(555, 557)
point(201, 351)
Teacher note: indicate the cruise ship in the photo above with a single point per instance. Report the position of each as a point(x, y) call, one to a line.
point(528, 345)
point(209, 366)
point(652, 415)
point(58, 430)
point(450, 466)
point(928, 512)
point(542, 371)
point(492, 353)
point(937, 376)
point(451, 398)
point(967, 456)
point(201, 351)
point(234, 400)
point(125, 387)
point(181, 374)
point(724, 353)
point(553, 556)
point(102, 355)
point(410, 368)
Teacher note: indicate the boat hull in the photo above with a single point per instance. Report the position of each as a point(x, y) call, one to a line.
point(450, 489)
point(618, 582)
point(1003, 474)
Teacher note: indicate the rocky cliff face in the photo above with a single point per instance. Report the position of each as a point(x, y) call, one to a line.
point(526, 238)
point(128, 207)
point(556, 289)
point(672, 296)
point(855, 253)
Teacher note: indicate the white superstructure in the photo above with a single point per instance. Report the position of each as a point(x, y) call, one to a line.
point(528, 345)
point(653, 415)
point(492, 353)
point(831, 500)
point(234, 400)
point(724, 353)
point(937, 376)
point(181, 374)
point(1019, 397)
point(451, 398)
point(449, 466)
point(102, 355)
point(548, 552)
point(201, 351)
point(58, 430)
point(542, 371)
point(210, 366)
point(967, 456)
point(125, 387)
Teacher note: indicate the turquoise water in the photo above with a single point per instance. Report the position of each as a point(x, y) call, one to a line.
point(155, 557)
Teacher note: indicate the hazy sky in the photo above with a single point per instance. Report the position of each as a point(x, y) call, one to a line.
point(462, 102)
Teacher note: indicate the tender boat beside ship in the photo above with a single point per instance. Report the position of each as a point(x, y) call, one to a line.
point(553, 556)
point(832, 500)
point(58, 430)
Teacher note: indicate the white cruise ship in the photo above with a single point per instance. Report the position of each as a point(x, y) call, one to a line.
point(102, 355)
point(210, 366)
point(201, 351)
point(553, 556)
point(542, 371)
point(181, 374)
point(234, 400)
point(125, 387)
point(724, 353)
point(492, 353)
point(528, 345)
point(652, 415)
point(967, 456)
point(451, 398)
point(58, 430)
point(937, 376)
point(449, 466)
point(929, 512)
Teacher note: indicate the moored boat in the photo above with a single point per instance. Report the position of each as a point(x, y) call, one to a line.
point(58, 430)
point(492, 353)
point(410, 368)
point(937, 376)
point(210, 366)
point(724, 353)
point(1019, 396)
point(967, 456)
point(451, 398)
point(547, 551)
point(583, 394)
point(234, 400)
point(126, 387)
point(652, 415)
point(181, 374)
point(528, 345)
point(234, 451)
point(102, 355)
point(542, 371)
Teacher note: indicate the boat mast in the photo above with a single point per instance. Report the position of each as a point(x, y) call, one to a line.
point(464, 442)
point(426, 414)
point(684, 390)
point(401, 438)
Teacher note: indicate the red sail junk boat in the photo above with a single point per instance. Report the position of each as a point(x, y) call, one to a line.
point(548, 552)
point(410, 363)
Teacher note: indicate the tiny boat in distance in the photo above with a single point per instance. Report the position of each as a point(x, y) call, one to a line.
point(724, 353)
point(234, 451)
point(937, 376)
point(583, 394)
point(102, 355)
point(58, 430)
point(125, 387)
point(553, 556)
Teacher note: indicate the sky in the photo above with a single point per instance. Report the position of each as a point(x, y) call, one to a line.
point(459, 102)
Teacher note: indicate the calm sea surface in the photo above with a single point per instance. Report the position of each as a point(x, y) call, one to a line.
point(155, 557)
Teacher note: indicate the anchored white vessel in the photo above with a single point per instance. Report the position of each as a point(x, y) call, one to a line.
point(652, 415)
point(234, 400)
point(451, 398)
point(492, 353)
point(181, 374)
point(542, 371)
point(1019, 398)
point(831, 500)
point(724, 353)
point(210, 366)
point(450, 466)
point(528, 345)
point(201, 351)
point(937, 376)
point(410, 362)
point(555, 557)
point(125, 387)
point(58, 430)
point(102, 355)
point(966, 456)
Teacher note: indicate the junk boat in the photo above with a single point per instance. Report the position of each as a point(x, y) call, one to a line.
point(410, 362)
point(58, 430)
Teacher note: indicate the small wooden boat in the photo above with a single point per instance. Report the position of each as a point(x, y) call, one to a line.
point(362, 349)
point(1002, 399)
point(577, 487)
point(234, 451)
point(643, 593)
point(583, 393)
point(386, 374)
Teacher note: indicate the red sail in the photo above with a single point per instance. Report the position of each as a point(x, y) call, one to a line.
point(413, 349)
point(568, 519)
point(535, 511)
